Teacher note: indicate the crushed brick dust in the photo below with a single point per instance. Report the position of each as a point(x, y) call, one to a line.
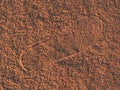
point(59, 44)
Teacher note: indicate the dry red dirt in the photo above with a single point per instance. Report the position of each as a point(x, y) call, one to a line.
point(59, 44)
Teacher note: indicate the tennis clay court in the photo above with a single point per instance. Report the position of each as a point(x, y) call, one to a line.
point(59, 44)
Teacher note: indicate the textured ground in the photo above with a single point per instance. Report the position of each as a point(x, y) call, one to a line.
point(59, 44)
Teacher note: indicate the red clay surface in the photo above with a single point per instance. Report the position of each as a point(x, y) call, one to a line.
point(59, 44)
